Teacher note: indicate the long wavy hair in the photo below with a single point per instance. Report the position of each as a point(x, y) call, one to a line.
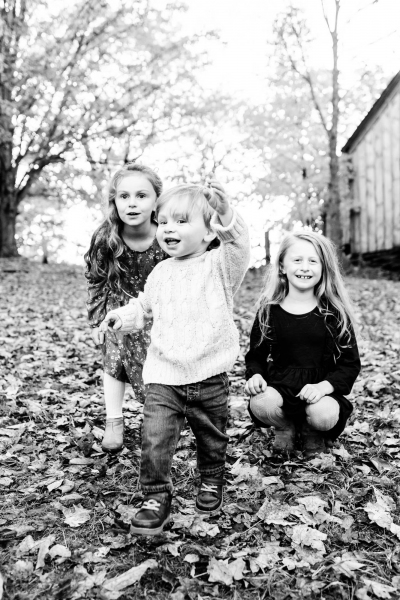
point(330, 292)
point(102, 264)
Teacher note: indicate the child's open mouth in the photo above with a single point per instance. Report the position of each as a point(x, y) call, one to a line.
point(133, 214)
point(303, 276)
point(171, 242)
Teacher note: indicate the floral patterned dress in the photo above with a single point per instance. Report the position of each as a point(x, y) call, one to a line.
point(124, 355)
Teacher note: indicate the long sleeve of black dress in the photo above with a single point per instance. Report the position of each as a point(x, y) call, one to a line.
point(256, 357)
point(346, 369)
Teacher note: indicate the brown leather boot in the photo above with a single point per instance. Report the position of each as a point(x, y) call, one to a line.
point(153, 514)
point(210, 496)
point(113, 439)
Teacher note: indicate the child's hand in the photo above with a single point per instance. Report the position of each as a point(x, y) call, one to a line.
point(97, 336)
point(219, 201)
point(255, 385)
point(313, 392)
point(111, 321)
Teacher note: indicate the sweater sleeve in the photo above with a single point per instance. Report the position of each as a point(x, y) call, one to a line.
point(256, 357)
point(234, 252)
point(348, 367)
point(133, 315)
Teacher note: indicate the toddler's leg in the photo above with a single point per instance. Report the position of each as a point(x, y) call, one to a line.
point(162, 423)
point(113, 395)
point(321, 416)
point(267, 407)
point(163, 418)
point(207, 415)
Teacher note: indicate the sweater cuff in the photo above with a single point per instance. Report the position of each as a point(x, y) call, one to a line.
point(232, 231)
point(131, 317)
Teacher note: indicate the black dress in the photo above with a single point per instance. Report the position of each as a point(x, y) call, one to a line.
point(302, 349)
point(123, 355)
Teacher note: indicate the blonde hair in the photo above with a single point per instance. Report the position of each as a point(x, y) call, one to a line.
point(332, 297)
point(197, 196)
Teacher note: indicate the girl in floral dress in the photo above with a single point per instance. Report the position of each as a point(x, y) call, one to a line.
point(122, 254)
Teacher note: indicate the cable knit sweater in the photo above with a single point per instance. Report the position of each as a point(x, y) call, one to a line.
point(193, 335)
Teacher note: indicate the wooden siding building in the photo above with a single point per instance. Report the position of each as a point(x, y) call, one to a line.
point(371, 216)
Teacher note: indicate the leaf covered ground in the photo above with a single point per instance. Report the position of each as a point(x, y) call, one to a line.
point(328, 528)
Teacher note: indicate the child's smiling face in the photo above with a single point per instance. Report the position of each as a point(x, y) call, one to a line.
point(302, 266)
point(182, 233)
point(135, 200)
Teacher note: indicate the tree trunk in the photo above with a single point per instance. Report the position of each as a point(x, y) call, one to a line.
point(333, 216)
point(8, 203)
point(334, 224)
point(8, 192)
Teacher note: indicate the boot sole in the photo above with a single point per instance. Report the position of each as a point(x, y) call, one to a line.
point(112, 450)
point(147, 531)
point(207, 513)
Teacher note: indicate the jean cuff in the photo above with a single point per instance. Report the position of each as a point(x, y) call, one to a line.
point(215, 472)
point(162, 487)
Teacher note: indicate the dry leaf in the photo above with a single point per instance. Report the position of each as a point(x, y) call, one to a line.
point(77, 516)
point(44, 546)
point(380, 590)
point(129, 577)
point(59, 550)
point(219, 572)
point(347, 566)
point(305, 536)
point(274, 512)
point(312, 503)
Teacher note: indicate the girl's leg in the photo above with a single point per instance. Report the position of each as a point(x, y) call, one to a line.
point(323, 415)
point(114, 390)
point(268, 408)
point(113, 395)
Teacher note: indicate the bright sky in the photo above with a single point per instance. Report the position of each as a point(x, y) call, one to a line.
point(370, 33)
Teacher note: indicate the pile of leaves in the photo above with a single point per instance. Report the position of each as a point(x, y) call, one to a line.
point(328, 528)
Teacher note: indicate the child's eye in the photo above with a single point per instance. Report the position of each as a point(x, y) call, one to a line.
point(141, 195)
point(123, 195)
point(181, 221)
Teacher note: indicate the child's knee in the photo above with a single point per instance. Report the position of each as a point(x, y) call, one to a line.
point(323, 415)
point(267, 406)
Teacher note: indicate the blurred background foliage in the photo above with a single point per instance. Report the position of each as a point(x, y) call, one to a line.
point(88, 85)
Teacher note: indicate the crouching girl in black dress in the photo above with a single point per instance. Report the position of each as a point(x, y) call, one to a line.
point(303, 356)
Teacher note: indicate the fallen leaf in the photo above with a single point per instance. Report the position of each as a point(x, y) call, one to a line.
point(380, 590)
point(44, 546)
point(59, 550)
point(129, 577)
point(347, 566)
point(219, 572)
point(274, 512)
point(77, 516)
point(312, 503)
point(305, 536)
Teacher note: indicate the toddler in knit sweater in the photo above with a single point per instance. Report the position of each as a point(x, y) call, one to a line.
point(194, 342)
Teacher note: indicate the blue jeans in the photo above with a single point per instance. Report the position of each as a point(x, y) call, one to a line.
point(205, 406)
